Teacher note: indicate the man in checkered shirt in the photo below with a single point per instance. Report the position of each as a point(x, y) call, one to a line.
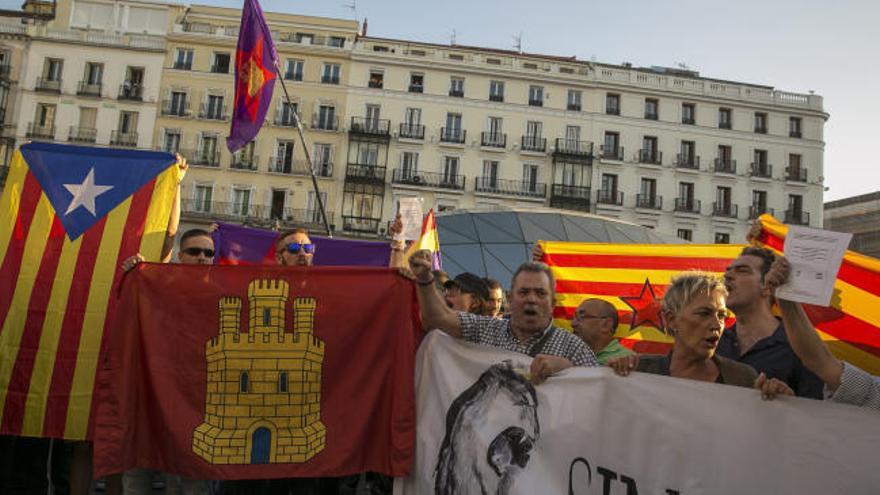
point(844, 382)
point(529, 330)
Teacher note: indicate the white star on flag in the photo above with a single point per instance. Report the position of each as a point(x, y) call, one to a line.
point(84, 194)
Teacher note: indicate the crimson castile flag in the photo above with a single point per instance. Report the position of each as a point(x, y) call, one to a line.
point(255, 60)
point(246, 372)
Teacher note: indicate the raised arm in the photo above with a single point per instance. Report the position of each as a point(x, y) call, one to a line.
point(174, 220)
point(435, 312)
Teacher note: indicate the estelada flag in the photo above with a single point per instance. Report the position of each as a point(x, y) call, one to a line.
point(69, 215)
point(230, 372)
point(632, 277)
point(851, 326)
point(255, 60)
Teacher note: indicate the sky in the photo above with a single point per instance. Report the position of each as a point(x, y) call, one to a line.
point(793, 45)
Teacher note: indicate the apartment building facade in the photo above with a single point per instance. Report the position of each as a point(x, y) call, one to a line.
point(267, 183)
point(467, 127)
point(860, 216)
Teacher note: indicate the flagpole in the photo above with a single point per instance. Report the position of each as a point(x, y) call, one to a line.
point(302, 138)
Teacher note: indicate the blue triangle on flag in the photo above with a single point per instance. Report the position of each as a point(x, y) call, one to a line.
point(84, 183)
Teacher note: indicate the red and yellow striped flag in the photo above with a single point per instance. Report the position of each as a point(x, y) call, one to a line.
point(632, 277)
point(69, 215)
point(851, 326)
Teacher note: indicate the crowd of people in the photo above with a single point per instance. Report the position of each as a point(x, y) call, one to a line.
point(776, 356)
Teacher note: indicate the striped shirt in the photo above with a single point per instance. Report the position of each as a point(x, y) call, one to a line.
point(858, 388)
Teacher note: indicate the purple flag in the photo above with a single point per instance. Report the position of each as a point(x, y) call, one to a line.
point(239, 245)
point(254, 76)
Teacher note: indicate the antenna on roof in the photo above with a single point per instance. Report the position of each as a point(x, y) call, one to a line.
point(682, 66)
point(517, 41)
point(452, 38)
point(353, 7)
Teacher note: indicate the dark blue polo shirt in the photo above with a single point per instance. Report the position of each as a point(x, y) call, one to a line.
point(774, 356)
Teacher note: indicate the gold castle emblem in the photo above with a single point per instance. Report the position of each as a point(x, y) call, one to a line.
point(263, 400)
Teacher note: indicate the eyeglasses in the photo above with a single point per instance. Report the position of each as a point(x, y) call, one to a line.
point(294, 248)
point(589, 317)
point(195, 251)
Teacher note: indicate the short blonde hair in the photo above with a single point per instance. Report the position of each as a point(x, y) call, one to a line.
point(686, 286)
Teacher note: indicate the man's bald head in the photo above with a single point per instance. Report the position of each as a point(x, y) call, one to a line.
point(595, 322)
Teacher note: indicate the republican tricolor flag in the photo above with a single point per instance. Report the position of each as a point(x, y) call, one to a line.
point(69, 215)
point(428, 240)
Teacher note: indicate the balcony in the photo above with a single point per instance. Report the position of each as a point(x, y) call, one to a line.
point(375, 83)
point(412, 131)
point(325, 122)
point(285, 119)
point(612, 110)
point(687, 162)
point(246, 162)
point(5, 71)
point(650, 157)
point(534, 143)
point(203, 158)
point(688, 120)
point(723, 166)
point(329, 79)
point(761, 170)
point(82, 134)
point(756, 211)
point(536, 103)
point(796, 174)
point(611, 153)
point(761, 129)
point(88, 89)
point(452, 135)
point(365, 173)
point(456, 93)
point(323, 168)
point(182, 65)
point(609, 197)
point(48, 85)
point(175, 108)
point(724, 210)
point(216, 111)
point(570, 197)
point(797, 217)
point(376, 128)
point(574, 107)
point(496, 98)
point(649, 201)
point(493, 139)
point(280, 165)
point(365, 225)
point(795, 134)
point(652, 116)
point(124, 139)
point(724, 125)
point(252, 214)
point(573, 150)
point(131, 91)
point(518, 188)
point(220, 68)
point(688, 205)
point(427, 179)
point(416, 88)
point(37, 131)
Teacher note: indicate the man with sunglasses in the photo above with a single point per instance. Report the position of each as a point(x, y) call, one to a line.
point(294, 248)
point(595, 322)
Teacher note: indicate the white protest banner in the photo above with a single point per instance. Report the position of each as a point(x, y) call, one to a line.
point(483, 428)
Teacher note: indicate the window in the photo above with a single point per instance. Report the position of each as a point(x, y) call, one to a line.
point(608, 193)
point(215, 109)
point(795, 205)
point(377, 79)
point(452, 132)
point(326, 117)
point(221, 63)
point(412, 124)
point(323, 159)
point(612, 104)
point(494, 132)
point(172, 141)
point(533, 140)
point(688, 155)
point(794, 127)
point(294, 70)
point(574, 100)
point(243, 382)
point(282, 381)
point(450, 170)
point(685, 234)
point(409, 164)
point(177, 103)
point(94, 73)
point(722, 200)
point(202, 197)
point(652, 109)
point(416, 83)
point(490, 174)
point(760, 168)
point(688, 113)
point(313, 210)
point(725, 119)
point(183, 59)
point(456, 87)
point(336, 41)
point(331, 74)
point(207, 150)
point(761, 123)
point(761, 158)
point(52, 69)
point(647, 193)
point(649, 152)
point(283, 160)
point(795, 170)
point(759, 203)
point(288, 113)
point(686, 195)
point(530, 178)
point(45, 117)
point(536, 96)
point(128, 122)
point(267, 317)
point(496, 91)
point(241, 200)
point(304, 38)
point(722, 238)
point(611, 146)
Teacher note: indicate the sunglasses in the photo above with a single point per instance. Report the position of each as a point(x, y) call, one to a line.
point(294, 248)
point(194, 251)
